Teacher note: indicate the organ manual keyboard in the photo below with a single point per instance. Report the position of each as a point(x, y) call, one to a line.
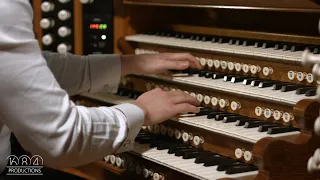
point(258, 100)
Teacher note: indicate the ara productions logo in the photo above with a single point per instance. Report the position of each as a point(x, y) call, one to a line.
point(24, 165)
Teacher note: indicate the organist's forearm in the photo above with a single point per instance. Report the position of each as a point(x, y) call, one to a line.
point(78, 74)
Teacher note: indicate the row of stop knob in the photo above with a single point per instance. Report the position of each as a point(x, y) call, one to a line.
point(178, 134)
point(215, 63)
point(126, 163)
point(276, 114)
point(214, 101)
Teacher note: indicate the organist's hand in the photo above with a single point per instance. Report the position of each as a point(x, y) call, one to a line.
point(159, 105)
point(157, 63)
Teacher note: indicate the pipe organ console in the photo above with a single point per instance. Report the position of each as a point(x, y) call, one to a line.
point(81, 27)
point(258, 98)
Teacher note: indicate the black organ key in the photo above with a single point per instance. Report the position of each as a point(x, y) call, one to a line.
point(242, 122)
point(278, 46)
point(286, 47)
point(123, 92)
point(204, 158)
point(229, 119)
point(240, 169)
point(256, 82)
point(247, 81)
point(225, 166)
point(181, 152)
point(202, 73)
point(296, 48)
point(268, 45)
point(190, 155)
point(265, 84)
point(278, 86)
point(214, 161)
point(311, 92)
point(169, 145)
point(253, 124)
point(257, 44)
point(289, 87)
point(238, 42)
point(237, 79)
point(277, 130)
point(265, 127)
point(220, 117)
point(303, 90)
point(192, 71)
point(204, 111)
point(218, 75)
point(223, 40)
point(231, 41)
point(248, 43)
point(209, 74)
point(213, 114)
point(175, 149)
point(227, 77)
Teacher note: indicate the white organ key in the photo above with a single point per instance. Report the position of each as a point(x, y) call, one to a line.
point(210, 63)
point(207, 99)
point(270, 53)
point(288, 98)
point(187, 166)
point(216, 63)
point(230, 129)
point(238, 67)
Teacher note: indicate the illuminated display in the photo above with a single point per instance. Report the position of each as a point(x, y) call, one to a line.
point(98, 26)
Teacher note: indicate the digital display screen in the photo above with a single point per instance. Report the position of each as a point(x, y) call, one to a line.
point(98, 26)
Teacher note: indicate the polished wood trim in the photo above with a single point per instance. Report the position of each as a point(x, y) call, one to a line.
point(37, 18)
point(78, 28)
point(289, 159)
point(271, 5)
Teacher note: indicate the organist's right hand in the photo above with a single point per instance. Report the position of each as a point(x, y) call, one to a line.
point(159, 105)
